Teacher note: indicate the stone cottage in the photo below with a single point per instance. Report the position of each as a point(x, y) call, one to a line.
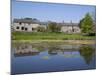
point(70, 27)
point(30, 25)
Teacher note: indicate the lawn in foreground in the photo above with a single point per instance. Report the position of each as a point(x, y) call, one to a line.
point(49, 36)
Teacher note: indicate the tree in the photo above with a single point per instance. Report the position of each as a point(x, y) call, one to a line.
point(80, 23)
point(53, 27)
point(94, 16)
point(86, 24)
point(40, 29)
point(58, 28)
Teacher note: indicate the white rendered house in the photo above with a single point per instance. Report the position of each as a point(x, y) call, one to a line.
point(30, 25)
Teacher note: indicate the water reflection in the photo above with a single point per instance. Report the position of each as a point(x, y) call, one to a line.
point(87, 52)
point(25, 50)
point(32, 49)
point(46, 57)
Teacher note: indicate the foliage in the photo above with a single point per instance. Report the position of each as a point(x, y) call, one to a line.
point(80, 23)
point(41, 29)
point(53, 27)
point(86, 24)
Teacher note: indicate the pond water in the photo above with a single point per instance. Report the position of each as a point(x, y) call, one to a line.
point(35, 58)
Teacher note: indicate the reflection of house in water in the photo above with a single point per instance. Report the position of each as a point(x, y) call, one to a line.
point(87, 52)
point(70, 47)
point(25, 50)
point(54, 50)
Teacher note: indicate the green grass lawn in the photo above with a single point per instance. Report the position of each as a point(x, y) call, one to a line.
point(49, 36)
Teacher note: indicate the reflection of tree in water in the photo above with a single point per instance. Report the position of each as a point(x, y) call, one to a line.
point(34, 49)
point(52, 50)
point(87, 53)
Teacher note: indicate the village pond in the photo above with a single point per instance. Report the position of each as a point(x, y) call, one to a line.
point(50, 57)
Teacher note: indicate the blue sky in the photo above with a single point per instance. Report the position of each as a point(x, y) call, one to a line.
point(50, 11)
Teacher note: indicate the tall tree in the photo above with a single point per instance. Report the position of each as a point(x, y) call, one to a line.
point(86, 24)
point(80, 23)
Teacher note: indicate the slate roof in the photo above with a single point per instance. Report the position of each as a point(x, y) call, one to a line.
point(32, 21)
point(43, 23)
point(26, 21)
point(68, 24)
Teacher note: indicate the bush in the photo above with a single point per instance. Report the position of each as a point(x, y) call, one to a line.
point(41, 29)
point(92, 34)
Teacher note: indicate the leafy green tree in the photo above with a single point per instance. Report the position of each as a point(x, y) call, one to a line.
point(53, 27)
point(80, 23)
point(86, 24)
point(41, 29)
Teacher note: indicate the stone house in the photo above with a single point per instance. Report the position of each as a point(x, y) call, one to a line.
point(30, 25)
point(70, 27)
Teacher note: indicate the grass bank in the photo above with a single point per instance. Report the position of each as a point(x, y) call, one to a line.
point(56, 41)
point(49, 36)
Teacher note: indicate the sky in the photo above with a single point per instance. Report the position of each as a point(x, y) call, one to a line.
point(50, 11)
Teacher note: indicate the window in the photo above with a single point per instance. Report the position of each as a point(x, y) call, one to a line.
point(20, 23)
point(22, 28)
point(17, 27)
point(73, 30)
point(32, 29)
point(25, 29)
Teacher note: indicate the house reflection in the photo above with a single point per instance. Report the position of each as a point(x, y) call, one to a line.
point(62, 49)
point(87, 52)
point(25, 50)
point(31, 49)
point(26, 54)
